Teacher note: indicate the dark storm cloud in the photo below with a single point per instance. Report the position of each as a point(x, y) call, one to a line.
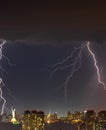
point(50, 22)
point(52, 41)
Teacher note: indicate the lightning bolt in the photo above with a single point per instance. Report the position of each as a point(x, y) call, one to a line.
point(1, 81)
point(96, 66)
point(75, 65)
point(76, 54)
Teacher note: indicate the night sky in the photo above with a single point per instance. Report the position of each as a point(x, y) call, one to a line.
point(40, 34)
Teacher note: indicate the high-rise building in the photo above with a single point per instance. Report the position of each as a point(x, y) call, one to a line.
point(33, 120)
point(102, 115)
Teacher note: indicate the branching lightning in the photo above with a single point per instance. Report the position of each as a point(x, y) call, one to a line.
point(76, 54)
point(1, 81)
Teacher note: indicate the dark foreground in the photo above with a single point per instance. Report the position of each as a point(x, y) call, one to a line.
point(10, 126)
point(60, 126)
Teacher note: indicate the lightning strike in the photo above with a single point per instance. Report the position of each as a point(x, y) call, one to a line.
point(76, 54)
point(96, 66)
point(1, 81)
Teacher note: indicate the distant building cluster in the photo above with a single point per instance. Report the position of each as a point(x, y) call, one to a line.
point(38, 120)
point(86, 120)
point(51, 118)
